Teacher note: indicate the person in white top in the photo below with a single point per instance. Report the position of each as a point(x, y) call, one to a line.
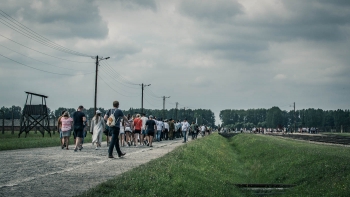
point(97, 127)
point(143, 129)
point(166, 129)
point(185, 127)
point(203, 130)
point(160, 127)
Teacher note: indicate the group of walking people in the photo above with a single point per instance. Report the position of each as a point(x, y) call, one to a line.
point(122, 130)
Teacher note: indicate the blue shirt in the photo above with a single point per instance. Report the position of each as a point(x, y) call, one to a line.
point(118, 114)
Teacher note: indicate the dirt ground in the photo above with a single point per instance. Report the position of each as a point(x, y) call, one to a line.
point(56, 172)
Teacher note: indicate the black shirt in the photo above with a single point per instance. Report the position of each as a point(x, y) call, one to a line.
point(78, 118)
point(150, 124)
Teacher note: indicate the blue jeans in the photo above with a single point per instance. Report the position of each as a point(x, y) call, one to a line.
point(158, 135)
point(114, 141)
point(184, 133)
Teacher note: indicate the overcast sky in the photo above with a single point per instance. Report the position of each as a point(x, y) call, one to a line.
point(222, 54)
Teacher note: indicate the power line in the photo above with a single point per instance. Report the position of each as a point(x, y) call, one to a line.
point(36, 59)
point(41, 52)
point(117, 77)
point(41, 69)
point(127, 81)
point(112, 78)
point(113, 88)
point(29, 33)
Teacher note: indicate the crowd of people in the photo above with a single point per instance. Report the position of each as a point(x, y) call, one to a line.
point(122, 130)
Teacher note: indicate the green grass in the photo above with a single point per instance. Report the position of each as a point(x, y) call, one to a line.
point(212, 165)
point(10, 141)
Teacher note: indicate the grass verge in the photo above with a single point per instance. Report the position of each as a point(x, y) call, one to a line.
point(10, 141)
point(212, 165)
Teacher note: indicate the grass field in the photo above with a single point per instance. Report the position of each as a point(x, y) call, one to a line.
point(212, 165)
point(10, 141)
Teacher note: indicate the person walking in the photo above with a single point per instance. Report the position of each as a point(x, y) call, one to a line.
point(171, 129)
point(122, 133)
point(160, 126)
point(128, 129)
point(67, 123)
point(79, 119)
point(137, 126)
point(118, 115)
point(59, 127)
point(166, 130)
point(151, 127)
point(144, 135)
point(185, 127)
point(96, 128)
point(193, 130)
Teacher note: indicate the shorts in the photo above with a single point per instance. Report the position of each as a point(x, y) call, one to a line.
point(78, 133)
point(137, 131)
point(150, 133)
point(60, 134)
point(127, 129)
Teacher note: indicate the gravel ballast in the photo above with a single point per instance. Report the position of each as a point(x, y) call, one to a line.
point(56, 172)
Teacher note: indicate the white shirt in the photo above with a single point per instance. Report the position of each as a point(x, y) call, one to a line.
point(203, 128)
point(160, 125)
point(166, 125)
point(185, 126)
point(144, 120)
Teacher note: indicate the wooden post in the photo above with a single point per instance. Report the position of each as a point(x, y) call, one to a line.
point(13, 122)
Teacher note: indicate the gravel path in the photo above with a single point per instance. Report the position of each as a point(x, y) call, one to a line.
point(56, 172)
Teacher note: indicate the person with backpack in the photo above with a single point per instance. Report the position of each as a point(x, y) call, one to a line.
point(113, 118)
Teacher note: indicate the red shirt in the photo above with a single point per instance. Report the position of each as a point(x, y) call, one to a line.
point(137, 123)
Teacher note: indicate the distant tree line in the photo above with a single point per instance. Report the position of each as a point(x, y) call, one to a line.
point(203, 116)
point(276, 118)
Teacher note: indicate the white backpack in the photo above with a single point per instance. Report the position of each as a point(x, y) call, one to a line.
point(111, 119)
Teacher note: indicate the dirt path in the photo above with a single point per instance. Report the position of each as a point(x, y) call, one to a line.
point(56, 172)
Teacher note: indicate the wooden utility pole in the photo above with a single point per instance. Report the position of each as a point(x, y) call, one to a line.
point(294, 118)
point(97, 64)
point(95, 101)
point(164, 97)
point(13, 121)
point(176, 110)
point(3, 122)
point(142, 88)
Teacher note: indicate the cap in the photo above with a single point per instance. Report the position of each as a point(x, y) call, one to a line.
point(98, 112)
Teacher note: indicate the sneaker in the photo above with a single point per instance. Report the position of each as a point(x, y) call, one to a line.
point(75, 150)
point(110, 156)
point(96, 148)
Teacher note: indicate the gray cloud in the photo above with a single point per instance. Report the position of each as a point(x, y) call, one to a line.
point(137, 4)
point(60, 19)
point(215, 11)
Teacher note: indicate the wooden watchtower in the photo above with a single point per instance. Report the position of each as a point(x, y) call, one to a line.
point(35, 115)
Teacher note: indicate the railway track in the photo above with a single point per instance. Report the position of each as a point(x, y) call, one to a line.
point(331, 139)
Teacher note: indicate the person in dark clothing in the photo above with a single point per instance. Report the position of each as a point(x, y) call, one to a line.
point(79, 119)
point(118, 114)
